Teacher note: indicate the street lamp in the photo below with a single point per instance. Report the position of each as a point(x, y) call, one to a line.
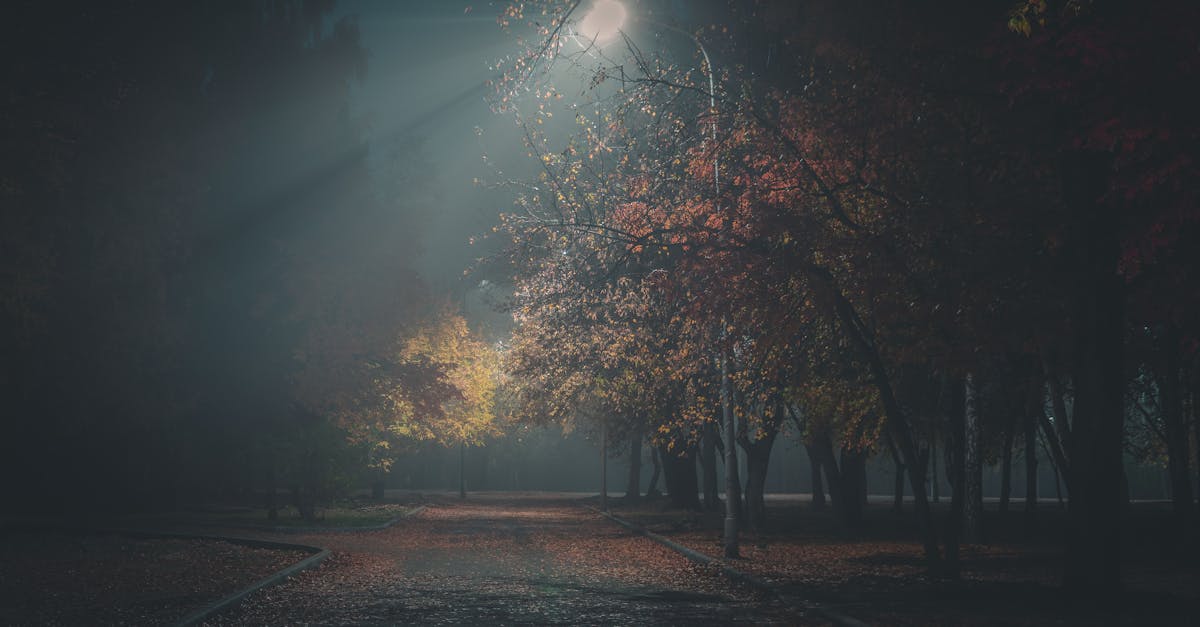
point(603, 23)
point(600, 25)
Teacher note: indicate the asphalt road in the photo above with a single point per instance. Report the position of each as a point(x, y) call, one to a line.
point(506, 560)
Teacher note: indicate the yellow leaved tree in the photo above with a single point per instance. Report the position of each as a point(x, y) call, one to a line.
point(471, 366)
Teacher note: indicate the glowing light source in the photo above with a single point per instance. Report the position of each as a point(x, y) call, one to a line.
point(603, 23)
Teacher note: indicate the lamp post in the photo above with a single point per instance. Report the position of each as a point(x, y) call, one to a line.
point(603, 24)
point(604, 464)
point(462, 477)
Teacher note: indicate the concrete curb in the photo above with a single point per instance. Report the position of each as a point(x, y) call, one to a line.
point(212, 609)
point(114, 525)
point(317, 556)
point(837, 618)
point(293, 529)
point(281, 576)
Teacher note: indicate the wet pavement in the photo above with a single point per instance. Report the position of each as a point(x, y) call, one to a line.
point(506, 560)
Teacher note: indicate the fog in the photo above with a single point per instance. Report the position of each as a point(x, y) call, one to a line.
point(215, 215)
point(222, 224)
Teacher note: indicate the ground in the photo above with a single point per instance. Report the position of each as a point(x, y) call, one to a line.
point(506, 560)
point(877, 572)
point(547, 559)
point(74, 578)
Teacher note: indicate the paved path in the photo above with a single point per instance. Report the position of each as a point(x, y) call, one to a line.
point(504, 560)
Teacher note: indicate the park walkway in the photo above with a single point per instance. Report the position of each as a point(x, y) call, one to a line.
point(505, 560)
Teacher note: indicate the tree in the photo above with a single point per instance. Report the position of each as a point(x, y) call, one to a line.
point(886, 197)
point(1120, 156)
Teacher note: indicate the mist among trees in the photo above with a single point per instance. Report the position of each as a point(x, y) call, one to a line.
point(910, 246)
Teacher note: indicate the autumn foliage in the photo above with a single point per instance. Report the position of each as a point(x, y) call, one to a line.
point(882, 203)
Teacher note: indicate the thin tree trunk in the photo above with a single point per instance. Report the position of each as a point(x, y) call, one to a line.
point(1059, 475)
point(1058, 484)
point(272, 497)
point(305, 503)
point(1195, 372)
point(732, 491)
point(1062, 422)
point(462, 470)
point(1006, 466)
point(1126, 492)
point(955, 473)
point(814, 466)
point(633, 487)
point(1058, 455)
point(1177, 445)
point(933, 472)
point(973, 505)
point(898, 486)
point(708, 467)
point(862, 484)
point(758, 457)
point(603, 466)
point(652, 487)
point(1035, 412)
point(1031, 468)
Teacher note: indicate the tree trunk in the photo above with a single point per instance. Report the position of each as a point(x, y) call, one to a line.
point(1094, 511)
point(1031, 469)
point(818, 491)
point(897, 423)
point(853, 474)
point(1195, 372)
point(1057, 436)
point(708, 466)
point(272, 498)
point(652, 487)
point(973, 470)
point(955, 473)
point(739, 499)
point(604, 466)
point(304, 502)
point(933, 471)
point(1062, 422)
point(462, 470)
point(758, 457)
point(378, 487)
point(898, 486)
point(1010, 428)
point(847, 479)
point(1057, 454)
point(1058, 484)
point(846, 504)
point(633, 487)
point(732, 487)
point(679, 471)
point(1177, 444)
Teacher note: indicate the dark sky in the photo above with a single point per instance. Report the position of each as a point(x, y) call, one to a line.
point(428, 63)
point(427, 68)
